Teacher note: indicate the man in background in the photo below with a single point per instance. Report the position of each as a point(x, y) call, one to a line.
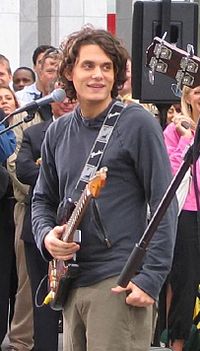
point(37, 89)
point(27, 169)
point(5, 71)
point(22, 77)
point(21, 330)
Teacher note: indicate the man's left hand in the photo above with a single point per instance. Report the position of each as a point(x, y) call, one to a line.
point(135, 296)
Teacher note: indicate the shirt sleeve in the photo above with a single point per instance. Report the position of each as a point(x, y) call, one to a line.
point(7, 144)
point(153, 169)
point(176, 145)
point(45, 197)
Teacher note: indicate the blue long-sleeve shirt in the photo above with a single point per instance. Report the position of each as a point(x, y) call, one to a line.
point(7, 143)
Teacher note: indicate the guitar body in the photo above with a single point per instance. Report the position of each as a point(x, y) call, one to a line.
point(61, 274)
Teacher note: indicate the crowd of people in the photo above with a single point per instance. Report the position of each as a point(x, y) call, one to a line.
point(26, 326)
point(53, 157)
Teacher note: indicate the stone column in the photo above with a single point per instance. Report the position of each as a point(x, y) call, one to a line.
point(124, 22)
point(28, 30)
point(66, 19)
point(9, 38)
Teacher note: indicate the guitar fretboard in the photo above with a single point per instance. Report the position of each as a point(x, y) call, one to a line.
point(77, 215)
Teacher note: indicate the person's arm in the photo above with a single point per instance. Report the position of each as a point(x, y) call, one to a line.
point(45, 202)
point(4, 181)
point(177, 141)
point(7, 144)
point(26, 168)
point(20, 190)
point(45, 197)
point(152, 166)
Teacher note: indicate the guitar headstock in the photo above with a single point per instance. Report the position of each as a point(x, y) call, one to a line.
point(176, 63)
point(97, 182)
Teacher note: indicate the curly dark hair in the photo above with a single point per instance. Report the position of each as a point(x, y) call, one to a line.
point(91, 36)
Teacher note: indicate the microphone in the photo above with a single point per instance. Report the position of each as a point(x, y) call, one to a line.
point(57, 95)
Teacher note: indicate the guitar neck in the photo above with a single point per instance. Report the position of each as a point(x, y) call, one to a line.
point(77, 215)
point(92, 189)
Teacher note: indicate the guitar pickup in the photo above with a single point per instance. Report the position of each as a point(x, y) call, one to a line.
point(77, 236)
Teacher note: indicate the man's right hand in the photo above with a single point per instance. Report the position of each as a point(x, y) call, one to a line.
point(57, 248)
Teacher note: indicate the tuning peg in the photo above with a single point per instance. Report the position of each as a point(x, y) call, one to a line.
point(152, 76)
point(176, 90)
point(190, 50)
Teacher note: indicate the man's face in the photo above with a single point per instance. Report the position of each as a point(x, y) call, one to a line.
point(5, 77)
point(48, 74)
point(21, 78)
point(93, 75)
point(37, 66)
point(61, 108)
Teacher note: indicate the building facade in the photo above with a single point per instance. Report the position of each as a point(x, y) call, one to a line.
point(27, 24)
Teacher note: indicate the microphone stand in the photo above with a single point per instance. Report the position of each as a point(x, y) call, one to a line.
point(136, 257)
point(26, 119)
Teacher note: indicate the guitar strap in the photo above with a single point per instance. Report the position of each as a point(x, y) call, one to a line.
point(99, 146)
point(95, 156)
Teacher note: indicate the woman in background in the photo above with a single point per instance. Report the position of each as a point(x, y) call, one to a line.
point(184, 276)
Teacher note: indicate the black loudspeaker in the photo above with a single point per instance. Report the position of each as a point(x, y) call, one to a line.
point(146, 24)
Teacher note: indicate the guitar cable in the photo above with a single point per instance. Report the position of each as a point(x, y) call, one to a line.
point(37, 293)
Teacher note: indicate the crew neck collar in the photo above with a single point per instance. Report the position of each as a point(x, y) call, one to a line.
point(93, 122)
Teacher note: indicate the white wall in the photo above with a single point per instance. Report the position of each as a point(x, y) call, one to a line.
point(10, 30)
point(25, 24)
point(67, 19)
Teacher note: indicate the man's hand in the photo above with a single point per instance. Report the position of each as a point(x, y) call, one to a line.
point(58, 248)
point(135, 296)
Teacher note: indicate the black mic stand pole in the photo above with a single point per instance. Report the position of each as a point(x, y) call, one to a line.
point(136, 257)
point(26, 119)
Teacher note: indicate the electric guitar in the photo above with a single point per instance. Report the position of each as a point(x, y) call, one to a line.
point(165, 58)
point(61, 273)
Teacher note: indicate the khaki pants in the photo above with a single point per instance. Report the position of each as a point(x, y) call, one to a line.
point(97, 320)
point(21, 330)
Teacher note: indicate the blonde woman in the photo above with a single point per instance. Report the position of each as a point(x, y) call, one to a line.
point(184, 276)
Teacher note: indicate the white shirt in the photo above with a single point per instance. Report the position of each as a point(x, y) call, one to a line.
point(27, 94)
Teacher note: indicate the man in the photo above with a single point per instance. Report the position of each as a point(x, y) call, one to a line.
point(97, 315)
point(38, 88)
point(27, 169)
point(22, 77)
point(5, 71)
point(21, 329)
point(46, 68)
point(7, 257)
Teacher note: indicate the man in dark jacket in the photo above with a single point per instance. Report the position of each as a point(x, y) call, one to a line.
point(7, 231)
point(27, 169)
point(97, 315)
